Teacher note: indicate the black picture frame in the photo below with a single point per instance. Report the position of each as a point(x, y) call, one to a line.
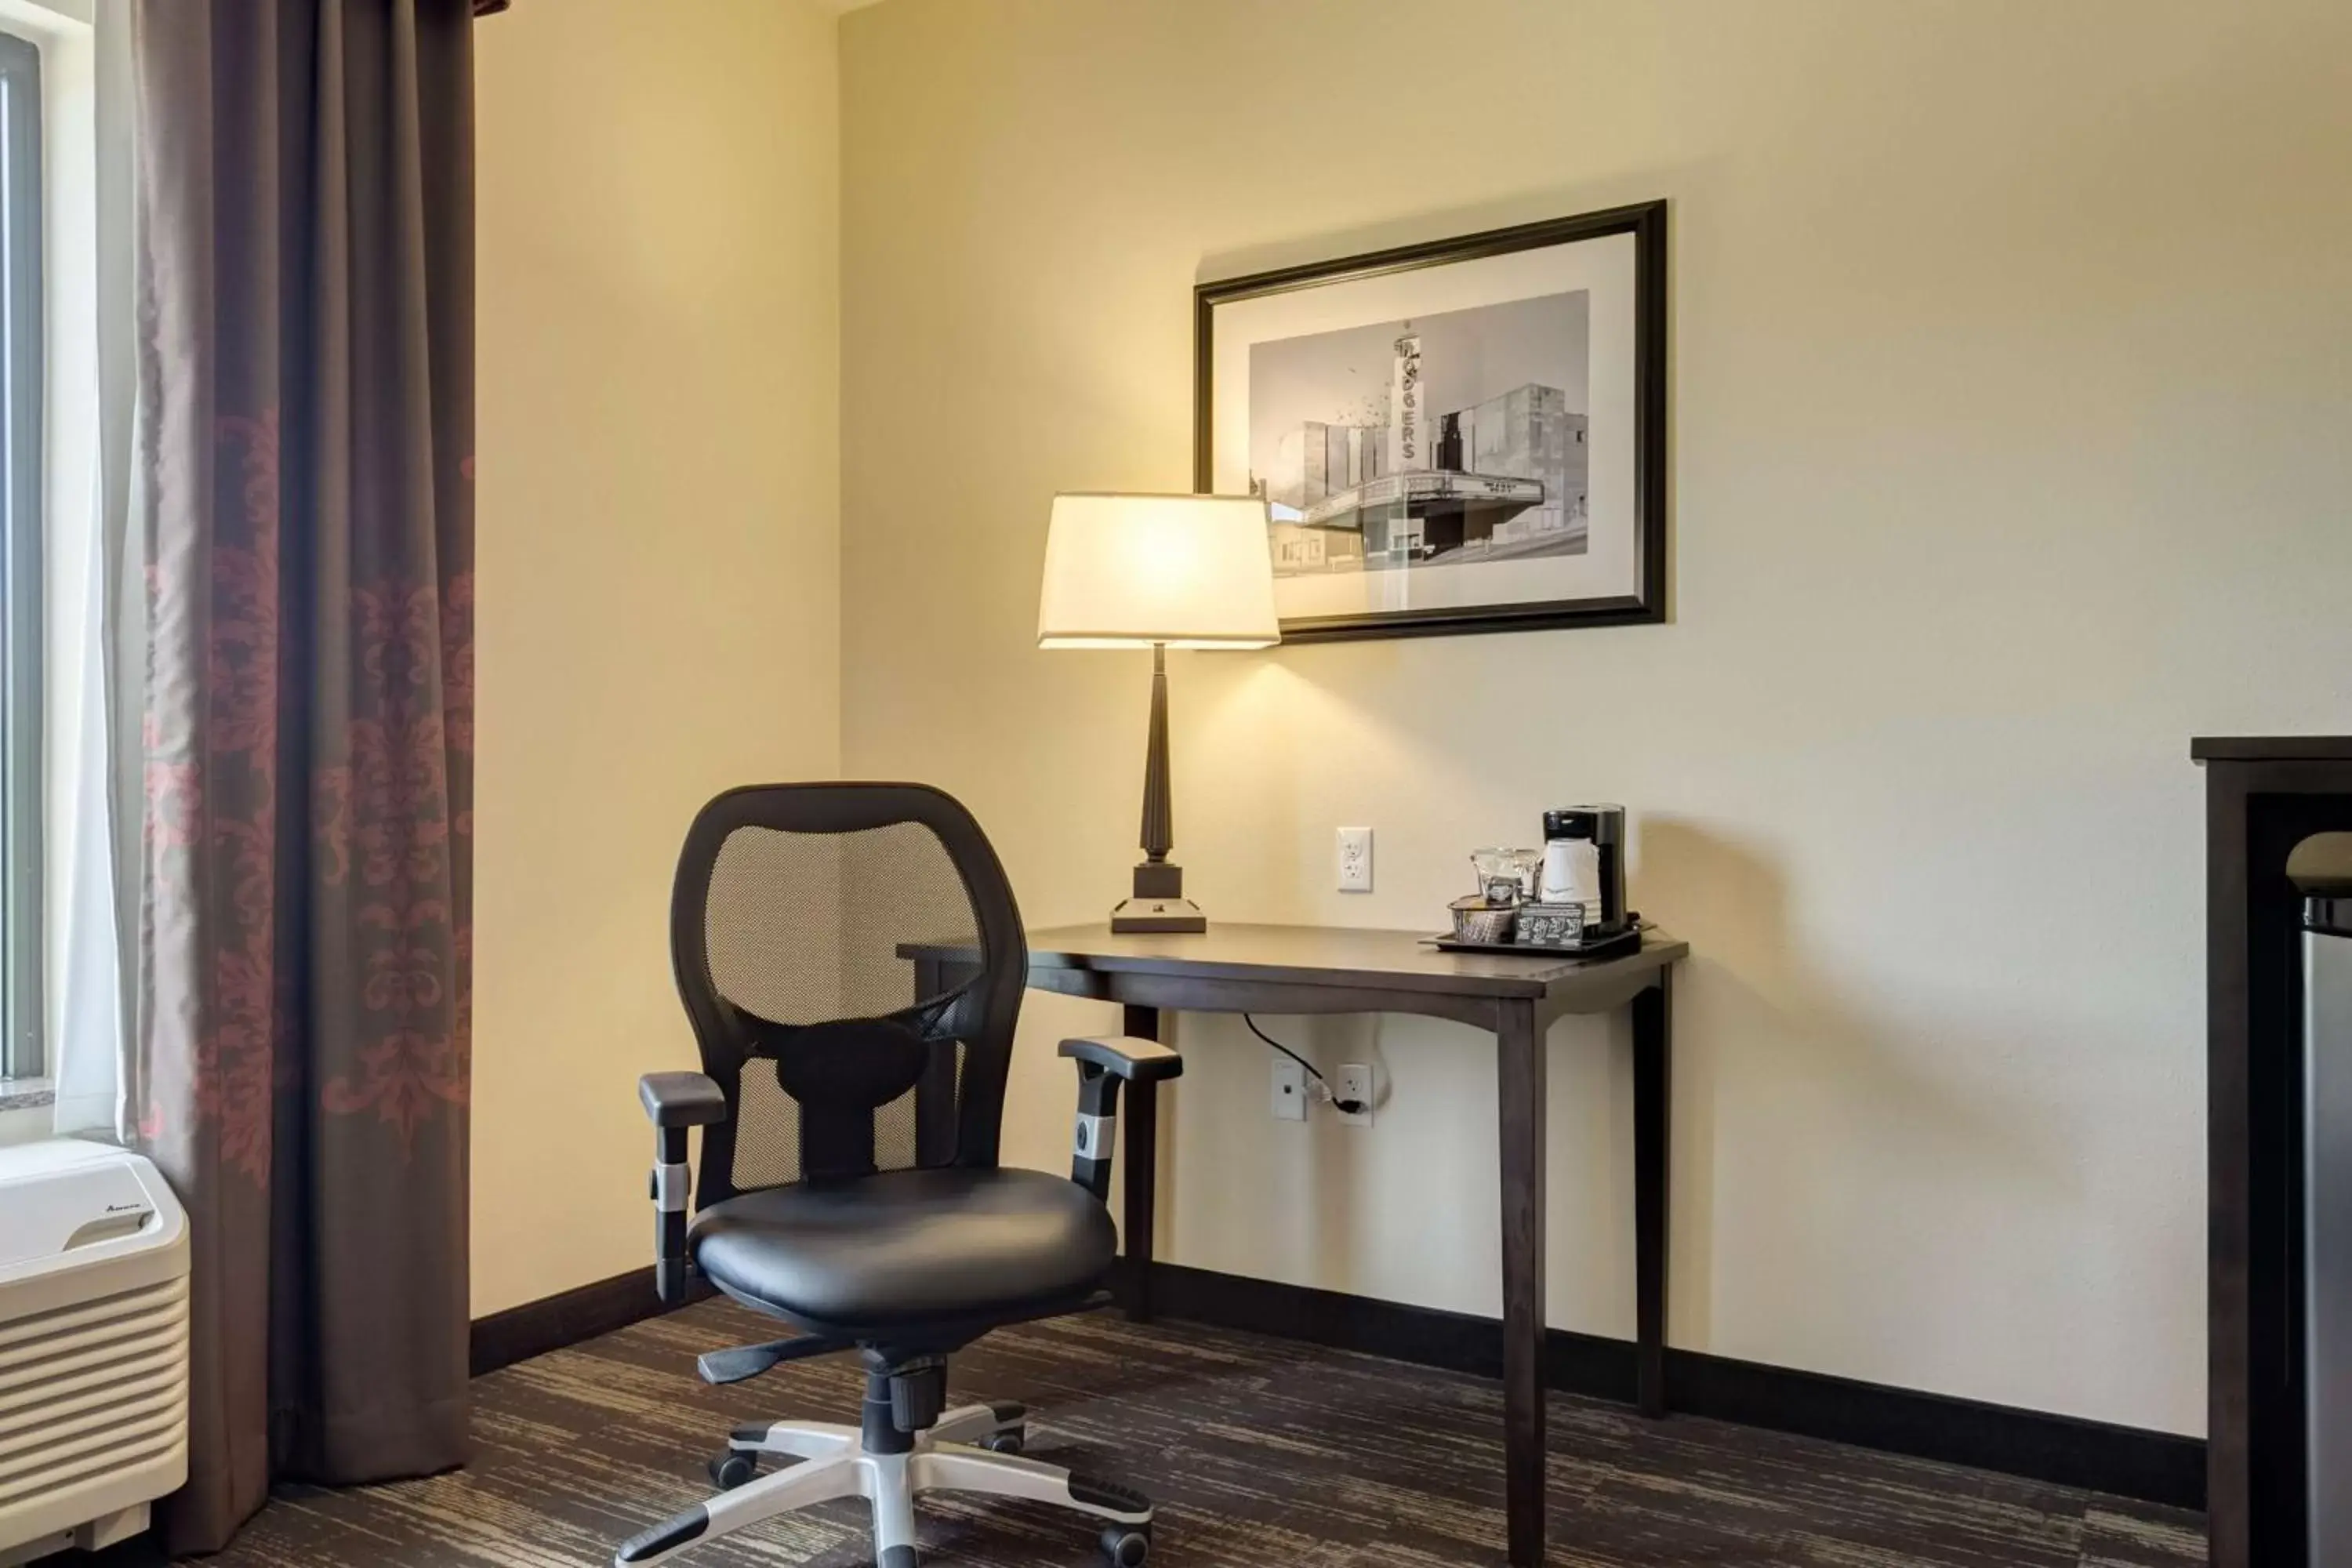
point(1646, 222)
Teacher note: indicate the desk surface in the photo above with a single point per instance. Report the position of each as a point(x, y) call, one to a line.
point(1338, 955)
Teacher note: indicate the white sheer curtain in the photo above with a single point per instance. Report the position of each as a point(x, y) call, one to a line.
point(93, 583)
point(85, 997)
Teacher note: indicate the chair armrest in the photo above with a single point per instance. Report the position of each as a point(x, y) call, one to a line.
point(1129, 1057)
point(681, 1100)
point(675, 1101)
point(1104, 1062)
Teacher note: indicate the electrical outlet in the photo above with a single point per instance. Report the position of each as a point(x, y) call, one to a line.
point(1356, 1083)
point(1355, 859)
point(1289, 1091)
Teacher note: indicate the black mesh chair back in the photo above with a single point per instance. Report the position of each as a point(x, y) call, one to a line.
point(852, 961)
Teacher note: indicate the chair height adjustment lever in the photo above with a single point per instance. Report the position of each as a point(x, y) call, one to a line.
point(750, 1361)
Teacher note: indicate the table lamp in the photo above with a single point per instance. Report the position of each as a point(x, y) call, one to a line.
point(1132, 571)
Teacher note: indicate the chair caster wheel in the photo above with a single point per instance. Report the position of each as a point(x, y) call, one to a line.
point(732, 1470)
point(1125, 1546)
point(1011, 1440)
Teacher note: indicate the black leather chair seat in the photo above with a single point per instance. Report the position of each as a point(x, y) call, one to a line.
point(907, 1245)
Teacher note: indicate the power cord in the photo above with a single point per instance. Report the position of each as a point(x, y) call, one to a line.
point(1344, 1107)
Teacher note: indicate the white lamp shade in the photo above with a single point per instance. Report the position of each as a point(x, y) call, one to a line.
point(1187, 571)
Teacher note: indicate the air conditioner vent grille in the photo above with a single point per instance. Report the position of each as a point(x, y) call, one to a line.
point(91, 1389)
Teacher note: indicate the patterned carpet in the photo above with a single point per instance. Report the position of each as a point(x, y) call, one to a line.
point(1261, 1453)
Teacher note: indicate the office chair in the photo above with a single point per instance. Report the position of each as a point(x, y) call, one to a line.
point(853, 964)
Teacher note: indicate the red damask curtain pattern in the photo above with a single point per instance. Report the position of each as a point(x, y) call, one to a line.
point(304, 505)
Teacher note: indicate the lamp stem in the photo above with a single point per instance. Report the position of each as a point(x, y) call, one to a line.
point(1159, 807)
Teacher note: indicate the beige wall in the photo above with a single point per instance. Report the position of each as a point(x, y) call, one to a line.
point(2012, 366)
point(659, 568)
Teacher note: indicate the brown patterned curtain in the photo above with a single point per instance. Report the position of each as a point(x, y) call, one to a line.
point(304, 501)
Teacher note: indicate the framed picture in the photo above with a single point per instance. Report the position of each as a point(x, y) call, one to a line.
point(1465, 436)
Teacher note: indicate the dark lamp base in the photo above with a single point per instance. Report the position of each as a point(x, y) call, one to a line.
point(1157, 903)
point(1179, 916)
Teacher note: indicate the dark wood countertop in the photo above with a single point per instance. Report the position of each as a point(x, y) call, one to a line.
point(2272, 749)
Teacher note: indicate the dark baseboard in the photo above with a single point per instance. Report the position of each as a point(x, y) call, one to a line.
point(2123, 1461)
point(553, 1323)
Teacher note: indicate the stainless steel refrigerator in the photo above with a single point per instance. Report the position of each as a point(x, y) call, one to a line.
point(2321, 868)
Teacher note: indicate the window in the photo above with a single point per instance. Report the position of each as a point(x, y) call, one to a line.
point(21, 434)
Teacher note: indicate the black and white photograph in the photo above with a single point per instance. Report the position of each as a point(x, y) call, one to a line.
point(1467, 436)
point(1458, 437)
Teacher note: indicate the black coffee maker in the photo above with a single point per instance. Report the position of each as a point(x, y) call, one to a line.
point(1603, 827)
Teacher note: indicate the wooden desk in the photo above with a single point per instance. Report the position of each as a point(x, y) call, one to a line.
point(1316, 969)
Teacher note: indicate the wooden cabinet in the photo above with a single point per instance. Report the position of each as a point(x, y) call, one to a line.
point(2264, 797)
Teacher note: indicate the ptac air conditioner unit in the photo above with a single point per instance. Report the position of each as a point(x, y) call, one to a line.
point(93, 1346)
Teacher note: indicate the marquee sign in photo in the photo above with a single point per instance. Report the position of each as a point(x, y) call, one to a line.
point(1457, 436)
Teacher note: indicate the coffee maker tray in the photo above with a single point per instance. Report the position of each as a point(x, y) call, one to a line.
point(1614, 947)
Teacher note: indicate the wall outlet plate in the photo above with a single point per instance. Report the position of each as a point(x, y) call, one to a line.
point(1355, 859)
point(1289, 1091)
point(1357, 1082)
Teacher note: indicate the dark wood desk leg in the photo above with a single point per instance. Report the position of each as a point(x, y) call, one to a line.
point(936, 1110)
point(1520, 1082)
point(1654, 1028)
point(1142, 1139)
